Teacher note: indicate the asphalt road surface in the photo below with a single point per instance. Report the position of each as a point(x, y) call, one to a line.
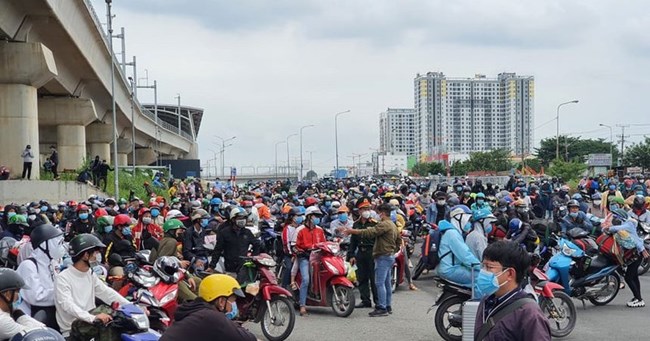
point(410, 320)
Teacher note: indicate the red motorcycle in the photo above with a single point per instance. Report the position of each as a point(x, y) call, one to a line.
point(329, 286)
point(554, 302)
point(397, 275)
point(265, 301)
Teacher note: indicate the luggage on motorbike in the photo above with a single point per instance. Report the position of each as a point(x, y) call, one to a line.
point(608, 245)
point(431, 246)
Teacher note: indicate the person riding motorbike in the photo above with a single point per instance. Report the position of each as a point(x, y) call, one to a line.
point(639, 210)
point(456, 259)
point(615, 203)
point(584, 208)
point(623, 224)
point(194, 237)
point(480, 203)
point(522, 211)
point(607, 196)
point(83, 224)
point(575, 219)
point(295, 218)
point(120, 239)
point(39, 271)
point(146, 234)
point(16, 227)
point(12, 319)
point(522, 234)
point(209, 316)
point(77, 287)
point(307, 236)
point(233, 242)
point(477, 232)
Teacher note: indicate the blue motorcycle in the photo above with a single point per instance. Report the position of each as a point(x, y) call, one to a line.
point(590, 275)
point(133, 324)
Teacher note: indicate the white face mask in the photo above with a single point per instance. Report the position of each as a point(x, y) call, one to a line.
point(146, 220)
point(56, 248)
point(365, 214)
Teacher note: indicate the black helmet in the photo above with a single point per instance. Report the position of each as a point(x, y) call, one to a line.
point(167, 269)
point(502, 203)
point(84, 242)
point(11, 280)
point(38, 334)
point(639, 202)
point(573, 203)
point(42, 233)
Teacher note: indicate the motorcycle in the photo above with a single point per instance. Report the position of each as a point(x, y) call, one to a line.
point(428, 247)
point(448, 318)
point(329, 285)
point(590, 276)
point(397, 276)
point(554, 302)
point(132, 323)
point(644, 232)
point(266, 301)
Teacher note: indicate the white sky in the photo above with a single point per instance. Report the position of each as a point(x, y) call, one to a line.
point(262, 69)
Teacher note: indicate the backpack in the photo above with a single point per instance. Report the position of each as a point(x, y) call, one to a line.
point(431, 248)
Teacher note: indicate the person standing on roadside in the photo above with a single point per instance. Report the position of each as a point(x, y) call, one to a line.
point(28, 157)
point(387, 242)
point(54, 158)
point(360, 253)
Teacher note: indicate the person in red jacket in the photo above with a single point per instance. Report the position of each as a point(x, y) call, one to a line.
point(307, 236)
point(146, 234)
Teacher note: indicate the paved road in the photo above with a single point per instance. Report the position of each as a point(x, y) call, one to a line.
point(411, 322)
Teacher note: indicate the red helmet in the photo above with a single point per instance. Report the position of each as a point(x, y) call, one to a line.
point(121, 219)
point(82, 207)
point(247, 203)
point(311, 201)
point(100, 212)
point(72, 203)
point(143, 211)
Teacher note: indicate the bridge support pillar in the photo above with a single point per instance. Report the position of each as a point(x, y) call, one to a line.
point(123, 150)
point(99, 137)
point(145, 156)
point(71, 143)
point(122, 159)
point(24, 67)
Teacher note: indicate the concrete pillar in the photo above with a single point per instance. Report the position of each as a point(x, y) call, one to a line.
point(99, 137)
point(123, 150)
point(24, 67)
point(145, 156)
point(122, 159)
point(101, 149)
point(70, 116)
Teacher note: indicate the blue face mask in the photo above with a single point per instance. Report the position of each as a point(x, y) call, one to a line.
point(108, 229)
point(204, 223)
point(126, 231)
point(486, 283)
point(315, 220)
point(83, 216)
point(233, 313)
point(574, 214)
point(44, 209)
point(393, 216)
point(612, 188)
point(467, 227)
point(480, 201)
point(300, 219)
point(11, 214)
point(488, 229)
point(343, 217)
point(155, 213)
point(328, 203)
point(15, 305)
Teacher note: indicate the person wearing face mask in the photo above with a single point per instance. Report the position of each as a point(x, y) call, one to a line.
point(360, 253)
point(506, 311)
point(639, 210)
point(480, 203)
point(575, 219)
point(253, 217)
point(157, 217)
point(295, 218)
point(146, 234)
point(466, 197)
point(174, 232)
point(607, 196)
point(120, 240)
point(477, 232)
point(76, 288)
point(16, 227)
point(439, 210)
point(194, 236)
point(12, 319)
point(307, 236)
point(9, 211)
point(456, 259)
point(342, 220)
point(210, 316)
point(233, 242)
point(83, 224)
point(39, 271)
point(122, 207)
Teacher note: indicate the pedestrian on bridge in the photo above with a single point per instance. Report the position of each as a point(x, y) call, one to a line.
point(28, 157)
point(54, 158)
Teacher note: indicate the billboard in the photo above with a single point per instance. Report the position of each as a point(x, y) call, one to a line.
point(595, 160)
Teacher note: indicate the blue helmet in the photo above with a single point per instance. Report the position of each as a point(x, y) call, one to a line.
point(482, 214)
point(514, 225)
point(215, 202)
point(480, 195)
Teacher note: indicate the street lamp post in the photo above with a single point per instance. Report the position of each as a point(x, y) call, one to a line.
point(223, 148)
point(109, 26)
point(336, 140)
point(611, 141)
point(288, 161)
point(557, 135)
point(276, 157)
point(133, 85)
point(301, 165)
point(155, 111)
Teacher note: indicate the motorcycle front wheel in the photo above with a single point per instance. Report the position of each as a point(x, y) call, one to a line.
point(393, 279)
point(611, 290)
point(560, 312)
point(419, 268)
point(449, 319)
point(644, 266)
point(344, 306)
point(280, 326)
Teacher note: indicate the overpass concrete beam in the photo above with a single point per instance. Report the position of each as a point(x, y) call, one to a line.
point(145, 156)
point(26, 63)
point(124, 146)
point(66, 111)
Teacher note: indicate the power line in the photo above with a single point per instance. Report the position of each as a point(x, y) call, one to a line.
point(545, 123)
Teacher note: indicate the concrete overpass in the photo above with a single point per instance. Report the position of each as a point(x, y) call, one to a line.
point(55, 89)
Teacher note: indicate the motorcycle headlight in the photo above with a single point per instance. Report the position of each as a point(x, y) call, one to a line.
point(168, 298)
point(141, 320)
point(567, 251)
point(332, 268)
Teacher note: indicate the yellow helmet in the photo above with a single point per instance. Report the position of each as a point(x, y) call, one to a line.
point(218, 285)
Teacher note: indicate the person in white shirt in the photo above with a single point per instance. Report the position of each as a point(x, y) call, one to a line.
point(12, 319)
point(77, 287)
point(39, 270)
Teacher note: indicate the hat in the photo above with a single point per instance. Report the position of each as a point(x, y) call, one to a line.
point(363, 203)
point(343, 209)
point(394, 202)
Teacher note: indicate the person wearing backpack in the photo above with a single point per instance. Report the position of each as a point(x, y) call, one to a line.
point(506, 311)
point(455, 257)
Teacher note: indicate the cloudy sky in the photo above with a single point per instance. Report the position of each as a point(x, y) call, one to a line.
point(262, 69)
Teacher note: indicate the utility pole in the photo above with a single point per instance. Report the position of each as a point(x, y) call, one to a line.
point(109, 26)
point(622, 136)
point(179, 113)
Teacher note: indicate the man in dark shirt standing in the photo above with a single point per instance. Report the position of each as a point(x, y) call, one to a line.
point(360, 253)
point(54, 157)
point(102, 171)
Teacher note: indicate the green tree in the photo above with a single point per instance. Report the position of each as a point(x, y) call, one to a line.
point(497, 160)
point(567, 170)
point(573, 148)
point(459, 168)
point(638, 155)
point(425, 168)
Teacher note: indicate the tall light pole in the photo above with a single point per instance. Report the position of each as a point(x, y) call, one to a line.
point(288, 161)
point(223, 151)
point(336, 140)
point(155, 111)
point(132, 83)
point(557, 134)
point(611, 141)
point(179, 113)
point(301, 165)
point(109, 25)
point(276, 157)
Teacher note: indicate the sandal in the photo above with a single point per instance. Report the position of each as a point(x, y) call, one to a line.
point(303, 311)
point(413, 287)
point(294, 286)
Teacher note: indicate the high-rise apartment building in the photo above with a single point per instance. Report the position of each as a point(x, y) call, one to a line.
point(397, 131)
point(463, 115)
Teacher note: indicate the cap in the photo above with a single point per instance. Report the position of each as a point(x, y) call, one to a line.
point(363, 203)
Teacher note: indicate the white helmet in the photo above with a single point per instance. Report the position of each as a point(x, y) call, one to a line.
point(173, 214)
point(313, 210)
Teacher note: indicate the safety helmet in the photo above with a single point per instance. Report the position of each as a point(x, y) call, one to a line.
point(172, 224)
point(42, 233)
point(520, 203)
point(200, 214)
point(483, 213)
point(247, 203)
point(166, 268)
point(215, 202)
point(82, 207)
point(480, 196)
point(11, 280)
point(121, 220)
point(514, 225)
point(619, 216)
point(122, 201)
point(573, 203)
point(311, 201)
point(238, 212)
point(38, 334)
point(218, 285)
point(18, 219)
point(109, 201)
point(502, 203)
point(616, 200)
point(576, 196)
point(313, 210)
point(100, 212)
point(174, 214)
point(84, 242)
